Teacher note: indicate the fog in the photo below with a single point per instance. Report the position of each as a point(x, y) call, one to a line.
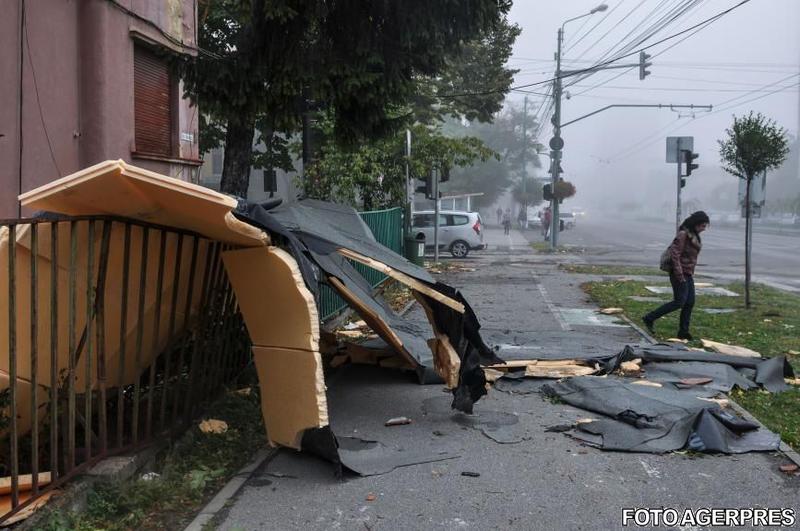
point(616, 159)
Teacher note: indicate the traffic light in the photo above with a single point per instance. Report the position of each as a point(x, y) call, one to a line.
point(427, 186)
point(683, 182)
point(688, 158)
point(444, 174)
point(547, 192)
point(643, 64)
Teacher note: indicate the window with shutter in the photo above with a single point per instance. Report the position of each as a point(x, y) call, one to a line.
point(154, 104)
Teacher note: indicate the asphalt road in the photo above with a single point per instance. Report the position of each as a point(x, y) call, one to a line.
point(776, 256)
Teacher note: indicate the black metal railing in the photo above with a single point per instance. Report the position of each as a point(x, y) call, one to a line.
point(117, 332)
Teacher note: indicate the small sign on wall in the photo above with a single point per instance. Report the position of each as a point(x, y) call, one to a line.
point(187, 137)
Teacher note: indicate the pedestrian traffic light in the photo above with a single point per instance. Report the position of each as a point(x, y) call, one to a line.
point(547, 192)
point(427, 186)
point(688, 158)
point(643, 64)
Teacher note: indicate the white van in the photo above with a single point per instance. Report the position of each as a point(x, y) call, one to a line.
point(459, 232)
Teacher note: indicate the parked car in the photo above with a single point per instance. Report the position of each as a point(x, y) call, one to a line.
point(459, 232)
point(567, 220)
point(534, 221)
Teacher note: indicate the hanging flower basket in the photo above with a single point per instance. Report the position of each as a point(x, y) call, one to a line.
point(563, 190)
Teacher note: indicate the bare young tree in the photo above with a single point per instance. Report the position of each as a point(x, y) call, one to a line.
point(754, 145)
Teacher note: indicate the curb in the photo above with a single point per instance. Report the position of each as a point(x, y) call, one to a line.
point(227, 492)
point(640, 330)
point(787, 450)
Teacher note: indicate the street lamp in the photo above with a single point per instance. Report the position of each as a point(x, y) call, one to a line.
point(556, 143)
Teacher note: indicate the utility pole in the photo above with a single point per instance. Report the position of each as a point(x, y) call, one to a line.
point(556, 144)
point(524, 152)
point(436, 216)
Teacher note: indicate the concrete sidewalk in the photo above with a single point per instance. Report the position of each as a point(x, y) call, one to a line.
point(537, 479)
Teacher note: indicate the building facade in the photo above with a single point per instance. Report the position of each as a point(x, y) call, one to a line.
point(279, 185)
point(82, 81)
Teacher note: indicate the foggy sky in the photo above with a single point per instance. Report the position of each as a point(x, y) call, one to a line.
point(754, 45)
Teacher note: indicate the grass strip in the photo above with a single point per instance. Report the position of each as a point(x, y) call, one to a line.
point(189, 473)
point(611, 269)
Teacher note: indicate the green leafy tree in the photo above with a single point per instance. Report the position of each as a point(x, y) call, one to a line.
point(515, 150)
point(754, 145)
point(474, 82)
point(373, 175)
point(265, 59)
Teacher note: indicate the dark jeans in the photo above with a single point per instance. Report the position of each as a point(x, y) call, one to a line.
point(683, 298)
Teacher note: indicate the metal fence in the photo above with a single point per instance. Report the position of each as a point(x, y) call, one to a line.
point(387, 226)
point(117, 332)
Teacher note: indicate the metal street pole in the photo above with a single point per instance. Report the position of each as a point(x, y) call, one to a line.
point(524, 150)
point(678, 204)
point(409, 188)
point(436, 216)
point(556, 158)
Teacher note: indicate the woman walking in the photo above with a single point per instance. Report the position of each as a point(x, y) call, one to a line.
point(683, 252)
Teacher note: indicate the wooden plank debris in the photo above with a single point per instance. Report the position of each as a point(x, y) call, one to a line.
point(731, 350)
point(403, 278)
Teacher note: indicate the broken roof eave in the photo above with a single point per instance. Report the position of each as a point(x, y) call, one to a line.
point(116, 188)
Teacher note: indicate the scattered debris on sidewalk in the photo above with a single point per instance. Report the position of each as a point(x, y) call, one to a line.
point(610, 311)
point(213, 426)
point(678, 404)
point(647, 419)
point(397, 421)
point(447, 267)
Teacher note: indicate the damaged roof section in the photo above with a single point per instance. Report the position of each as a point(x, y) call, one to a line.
point(323, 235)
point(275, 260)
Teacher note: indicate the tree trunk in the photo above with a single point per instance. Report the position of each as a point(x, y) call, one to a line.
point(238, 156)
point(747, 240)
point(366, 198)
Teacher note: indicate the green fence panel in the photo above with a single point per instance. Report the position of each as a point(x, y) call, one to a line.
point(387, 226)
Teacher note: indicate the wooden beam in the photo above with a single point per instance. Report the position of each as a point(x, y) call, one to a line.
point(374, 321)
point(403, 278)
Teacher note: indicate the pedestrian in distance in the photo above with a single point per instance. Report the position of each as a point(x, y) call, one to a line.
point(680, 260)
point(522, 218)
point(507, 222)
point(499, 215)
point(546, 219)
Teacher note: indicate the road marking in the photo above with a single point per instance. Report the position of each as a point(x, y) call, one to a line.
point(589, 317)
point(550, 306)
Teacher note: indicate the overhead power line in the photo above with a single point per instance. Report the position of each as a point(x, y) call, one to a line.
point(594, 67)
